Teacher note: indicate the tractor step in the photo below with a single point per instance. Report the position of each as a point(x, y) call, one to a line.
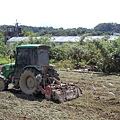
point(63, 92)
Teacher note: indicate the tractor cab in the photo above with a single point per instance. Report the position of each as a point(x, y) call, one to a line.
point(30, 55)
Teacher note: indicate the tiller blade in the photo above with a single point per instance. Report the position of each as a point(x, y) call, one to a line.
point(63, 92)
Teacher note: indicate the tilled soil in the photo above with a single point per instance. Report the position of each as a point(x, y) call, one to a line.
point(100, 101)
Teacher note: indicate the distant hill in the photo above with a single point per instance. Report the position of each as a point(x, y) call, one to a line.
point(108, 27)
point(100, 29)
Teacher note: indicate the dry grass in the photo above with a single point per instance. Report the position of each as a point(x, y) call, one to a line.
point(100, 101)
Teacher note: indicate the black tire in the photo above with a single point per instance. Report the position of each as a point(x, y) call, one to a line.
point(28, 83)
point(3, 83)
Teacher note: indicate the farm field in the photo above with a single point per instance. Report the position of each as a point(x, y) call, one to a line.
point(100, 101)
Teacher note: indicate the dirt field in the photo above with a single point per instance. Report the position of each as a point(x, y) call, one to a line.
point(100, 101)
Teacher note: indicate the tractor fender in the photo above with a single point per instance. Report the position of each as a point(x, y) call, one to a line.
point(39, 68)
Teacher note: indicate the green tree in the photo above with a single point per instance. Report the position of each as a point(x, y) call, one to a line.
point(59, 53)
point(3, 49)
point(28, 33)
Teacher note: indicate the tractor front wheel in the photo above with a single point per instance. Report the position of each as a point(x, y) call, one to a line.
point(28, 83)
point(3, 84)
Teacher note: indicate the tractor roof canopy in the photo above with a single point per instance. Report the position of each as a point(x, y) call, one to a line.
point(33, 46)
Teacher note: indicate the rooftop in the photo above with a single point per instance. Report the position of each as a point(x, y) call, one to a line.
point(62, 39)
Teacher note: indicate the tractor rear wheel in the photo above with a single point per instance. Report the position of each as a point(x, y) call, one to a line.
point(28, 83)
point(3, 84)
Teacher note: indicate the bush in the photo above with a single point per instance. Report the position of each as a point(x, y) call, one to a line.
point(64, 65)
point(4, 61)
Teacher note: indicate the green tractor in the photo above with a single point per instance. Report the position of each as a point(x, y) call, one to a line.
point(8, 70)
point(33, 75)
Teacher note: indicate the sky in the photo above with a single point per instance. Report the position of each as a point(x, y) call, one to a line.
point(59, 13)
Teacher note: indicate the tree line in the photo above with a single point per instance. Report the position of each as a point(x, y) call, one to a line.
point(100, 29)
point(105, 56)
